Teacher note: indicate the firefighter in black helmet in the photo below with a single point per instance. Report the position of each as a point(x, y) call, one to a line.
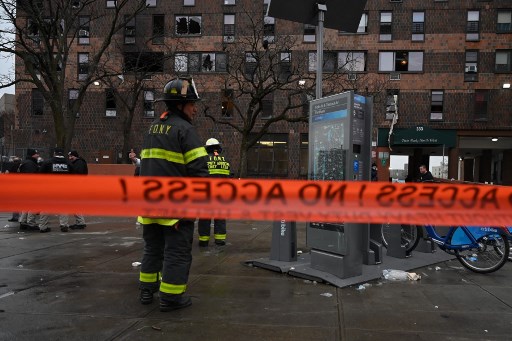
point(218, 166)
point(171, 148)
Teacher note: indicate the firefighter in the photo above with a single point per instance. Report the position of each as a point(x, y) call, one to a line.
point(218, 166)
point(172, 148)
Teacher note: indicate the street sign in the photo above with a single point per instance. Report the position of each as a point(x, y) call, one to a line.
point(343, 15)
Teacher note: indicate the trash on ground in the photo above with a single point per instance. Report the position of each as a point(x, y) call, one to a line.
point(363, 286)
point(299, 252)
point(400, 275)
point(20, 266)
point(135, 264)
point(438, 268)
point(326, 294)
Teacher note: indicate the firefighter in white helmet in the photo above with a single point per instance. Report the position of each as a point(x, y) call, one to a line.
point(219, 167)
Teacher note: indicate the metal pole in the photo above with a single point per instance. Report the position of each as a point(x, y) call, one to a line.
point(322, 8)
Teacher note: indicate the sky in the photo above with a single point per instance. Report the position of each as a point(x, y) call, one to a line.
point(6, 66)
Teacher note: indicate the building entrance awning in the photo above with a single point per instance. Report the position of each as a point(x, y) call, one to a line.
point(418, 136)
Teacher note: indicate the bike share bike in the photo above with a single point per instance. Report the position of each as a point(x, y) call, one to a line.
point(482, 249)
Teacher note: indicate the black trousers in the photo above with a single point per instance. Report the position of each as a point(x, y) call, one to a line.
point(169, 251)
point(219, 229)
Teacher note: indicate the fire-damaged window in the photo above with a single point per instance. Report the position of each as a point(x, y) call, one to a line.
point(227, 103)
point(144, 62)
point(158, 29)
point(200, 62)
point(188, 25)
point(37, 102)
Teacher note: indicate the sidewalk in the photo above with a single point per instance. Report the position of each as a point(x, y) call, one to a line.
point(81, 285)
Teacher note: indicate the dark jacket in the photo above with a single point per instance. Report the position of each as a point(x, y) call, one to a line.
point(172, 148)
point(426, 177)
point(29, 165)
point(79, 166)
point(55, 165)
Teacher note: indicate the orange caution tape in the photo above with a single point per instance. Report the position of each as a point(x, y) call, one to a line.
point(294, 200)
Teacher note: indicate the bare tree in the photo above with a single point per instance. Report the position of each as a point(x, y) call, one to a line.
point(262, 67)
point(42, 35)
point(128, 81)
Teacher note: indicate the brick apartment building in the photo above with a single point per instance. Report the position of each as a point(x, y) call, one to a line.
point(445, 61)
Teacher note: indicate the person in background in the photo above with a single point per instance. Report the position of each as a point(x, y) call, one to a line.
point(374, 172)
point(14, 169)
point(425, 174)
point(29, 165)
point(58, 164)
point(135, 161)
point(78, 166)
point(218, 167)
point(171, 148)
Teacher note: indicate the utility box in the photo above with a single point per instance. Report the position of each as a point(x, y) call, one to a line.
point(339, 149)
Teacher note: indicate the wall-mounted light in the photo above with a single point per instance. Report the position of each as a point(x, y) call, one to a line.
point(494, 139)
point(506, 85)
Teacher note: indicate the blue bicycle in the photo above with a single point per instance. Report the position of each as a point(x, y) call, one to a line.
point(481, 249)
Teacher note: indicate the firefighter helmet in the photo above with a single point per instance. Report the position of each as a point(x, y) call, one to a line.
point(180, 89)
point(212, 142)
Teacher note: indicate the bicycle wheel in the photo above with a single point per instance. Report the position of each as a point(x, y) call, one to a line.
point(491, 254)
point(409, 236)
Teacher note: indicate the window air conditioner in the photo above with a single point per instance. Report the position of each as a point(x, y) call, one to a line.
point(75, 4)
point(471, 68)
point(352, 76)
point(229, 39)
point(83, 33)
point(394, 76)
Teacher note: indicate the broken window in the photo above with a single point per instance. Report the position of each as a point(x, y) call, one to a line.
point(188, 25)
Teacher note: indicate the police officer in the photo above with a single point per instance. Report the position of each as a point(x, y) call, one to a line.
point(27, 220)
point(172, 148)
point(218, 166)
point(58, 164)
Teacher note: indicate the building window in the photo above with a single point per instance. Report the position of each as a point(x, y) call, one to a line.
point(473, 26)
point(481, 100)
point(251, 63)
point(149, 103)
point(37, 102)
point(352, 61)
point(229, 2)
point(200, 62)
point(189, 2)
point(386, 20)
point(228, 104)
point(158, 28)
point(267, 106)
point(110, 103)
point(436, 105)
point(72, 97)
point(83, 66)
point(401, 61)
point(269, 156)
point(269, 29)
point(471, 66)
point(129, 31)
point(391, 103)
point(229, 28)
point(285, 66)
point(418, 26)
point(111, 3)
point(188, 25)
point(347, 61)
point(150, 3)
point(144, 62)
point(503, 61)
point(304, 156)
point(84, 29)
point(504, 22)
point(309, 33)
point(363, 24)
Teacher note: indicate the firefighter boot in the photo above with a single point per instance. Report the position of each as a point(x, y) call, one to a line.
point(146, 296)
point(174, 302)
